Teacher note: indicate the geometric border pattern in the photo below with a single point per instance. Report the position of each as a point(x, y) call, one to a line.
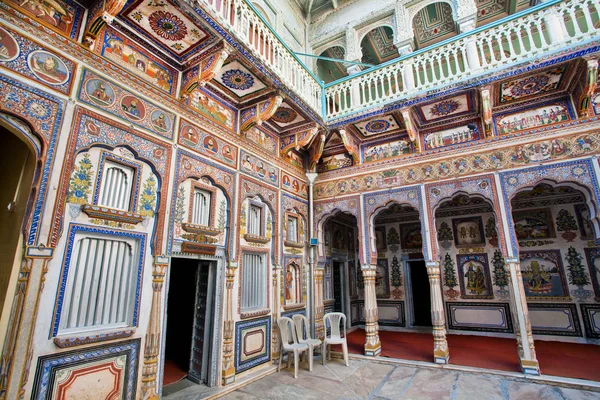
point(586, 312)
point(260, 359)
point(507, 315)
point(389, 322)
point(48, 366)
point(574, 319)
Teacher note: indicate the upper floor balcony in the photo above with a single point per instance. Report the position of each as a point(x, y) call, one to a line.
point(546, 29)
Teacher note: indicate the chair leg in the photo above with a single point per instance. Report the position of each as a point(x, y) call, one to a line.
point(345, 349)
point(328, 352)
point(323, 352)
point(310, 358)
point(280, 360)
point(296, 356)
point(289, 360)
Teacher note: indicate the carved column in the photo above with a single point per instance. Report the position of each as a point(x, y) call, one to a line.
point(441, 353)
point(471, 46)
point(371, 312)
point(486, 110)
point(17, 352)
point(554, 26)
point(276, 312)
point(319, 304)
point(404, 35)
point(152, 345)
point(228, 326)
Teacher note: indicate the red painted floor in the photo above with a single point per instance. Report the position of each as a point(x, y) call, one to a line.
point(173, 372)
point(556, 358)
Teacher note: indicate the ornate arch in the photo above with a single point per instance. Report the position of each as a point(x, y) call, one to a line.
point(579, 174)
point(483, 186)
point(376, 202)
point(326, 209)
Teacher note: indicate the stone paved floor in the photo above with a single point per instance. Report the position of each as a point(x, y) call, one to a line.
point(369, 380)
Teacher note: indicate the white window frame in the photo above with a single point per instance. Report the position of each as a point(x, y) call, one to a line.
point(120, 197)
point(256, 223)
point(293, 235)
point(88, 290)
point(254, 282)
point(201, 213)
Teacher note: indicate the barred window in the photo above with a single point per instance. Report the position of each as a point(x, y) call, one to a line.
point(255, 220)
point(254, 282)
point(117, 185)
point(201, 207)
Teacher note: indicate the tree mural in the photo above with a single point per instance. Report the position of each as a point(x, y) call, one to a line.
point(500, 274)
point(577, 274)
point(450, 278)
point(565, 222)
point(445, 236)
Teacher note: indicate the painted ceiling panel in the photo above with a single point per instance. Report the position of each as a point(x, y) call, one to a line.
point(378, 126)
point(237, 79)
point(447, 108)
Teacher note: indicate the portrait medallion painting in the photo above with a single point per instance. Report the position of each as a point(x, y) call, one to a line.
point(382, 278)
point(100, 92)
point(468, 232)
point(190, 134)
point(533, 224)
point(210, 144)
point(411, 236)
point(47, 67)
point(9, 48)
point(160, 121)
point(543, 275)
point(586, 229)
point(474, 274)
point(133, 108)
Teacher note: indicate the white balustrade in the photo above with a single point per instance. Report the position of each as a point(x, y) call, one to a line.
point(505, 45)
point(247, 27)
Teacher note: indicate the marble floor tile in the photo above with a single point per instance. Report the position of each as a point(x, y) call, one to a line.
point(431, 385)
point(471, 386)
point(532, 391)
point(366, 378)
point(397, 383)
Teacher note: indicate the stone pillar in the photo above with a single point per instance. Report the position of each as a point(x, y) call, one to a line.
point(276, 313)
point(319, 304)
point(441, 353)
point(152, 344)
point(228, 372)
point(554, 27)
point(524, 335)
point(408, 78)
point(371, 313)
point(471, 46)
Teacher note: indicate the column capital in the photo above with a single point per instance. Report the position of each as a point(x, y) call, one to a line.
point(232, 264)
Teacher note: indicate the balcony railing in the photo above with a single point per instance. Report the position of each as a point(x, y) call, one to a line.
point(250, 29)
point(506, 43)
point(519, 38)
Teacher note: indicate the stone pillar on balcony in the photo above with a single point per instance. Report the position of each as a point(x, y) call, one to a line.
point(353, 52)
point(470, 45)
point(228, 373)
point(403, 33)
point(371, 312)
point(554, 26)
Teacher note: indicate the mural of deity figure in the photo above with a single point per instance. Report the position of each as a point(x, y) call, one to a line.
point(538, 279)
point(475, 279)
point(289, 284)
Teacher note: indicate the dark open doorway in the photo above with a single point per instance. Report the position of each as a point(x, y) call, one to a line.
point(337, 286)
point(420, 293)
point(189, 321)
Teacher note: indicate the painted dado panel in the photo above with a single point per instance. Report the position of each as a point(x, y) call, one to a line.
point(488, 317)
point(554, 319)
point(591, 320)
point(252, 343)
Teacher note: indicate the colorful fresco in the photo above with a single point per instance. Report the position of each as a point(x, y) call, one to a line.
point(62, 16)
point(166, 24)
point(236, 79)
point(387, 150)
point(286, 117)
point(534, 224)
point(468, 232)
point(100, 93)
point(592, 256)
point(29, 59)
point(293, 158)
point(197, 139)
point(543, 275)
point(524, 88)
point(382, 278)
point(586, 230)
point(451, 107)
point(549, 114)
point(263, 139)
point(453, 136)
point(258, 168)
point(336, 161)
point(378, 125)
point(138, 61)
point(253, 341)
point(210, 107)
point(474, 276)
point(411, 237)
point(293, 184)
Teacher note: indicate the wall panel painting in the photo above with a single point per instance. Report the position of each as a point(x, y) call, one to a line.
point(107, 96)
point(474, 276)
point(523, 88)
point(534, 224)
point(530, 118)
point(62, 16)
point(586, 230)
point(138, 61)
point(543, 275)
point(252, 343)
point(453, 136)
point(195, 138)
point(386, 150)
point(468, 232)
point(258, 168)
point(30, 59)
point(449, 107)
point(592, 256)
point(591, 320)
point(411, 237)
point(382, 278)
point(293, 185)
point(207, 104)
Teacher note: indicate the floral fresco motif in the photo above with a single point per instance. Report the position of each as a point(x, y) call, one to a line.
point(284, 115)
point(80, 185)
point(136, 60)
point(532, 118)
point(474, 276)
point(523, 88)
point(237, 79)
point(377, 126)
point(164, 22)
point(444, 108)
point(148, 198)
point(543, 275)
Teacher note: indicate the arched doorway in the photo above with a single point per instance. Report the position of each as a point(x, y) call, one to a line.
point(17, 171)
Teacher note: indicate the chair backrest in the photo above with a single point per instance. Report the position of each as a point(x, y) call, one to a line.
point(286, 330)
point(334, 320)
point(302, 326)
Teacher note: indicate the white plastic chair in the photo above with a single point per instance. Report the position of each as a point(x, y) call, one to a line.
point(335, 337)
point(289, 343)
point(302, 323)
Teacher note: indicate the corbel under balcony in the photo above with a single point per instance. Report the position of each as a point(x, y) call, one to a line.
point(289, 243)
point(112, 214)
point(202, 229)
point(256, 238)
